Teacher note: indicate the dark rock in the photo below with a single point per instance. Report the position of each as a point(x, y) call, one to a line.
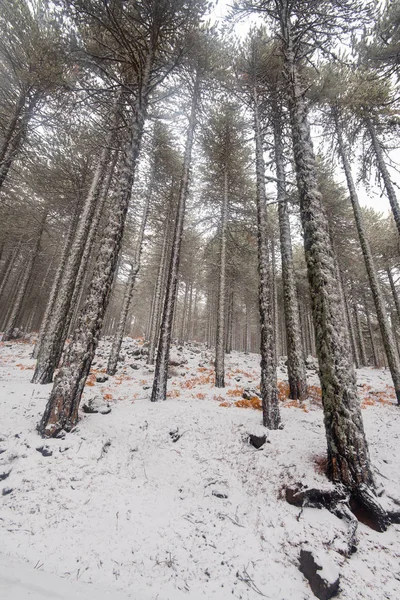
point(321, 573)
point(219, 494)
point(4, 475)
point(7, 491)
point(249, 393)
point(175, 435)
point(134, 366)
point(102, 378)
point(45, 451)
point(146, 387)
point(257, 440)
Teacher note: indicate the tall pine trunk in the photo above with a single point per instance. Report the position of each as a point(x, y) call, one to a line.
point(348, 456)
point(62, 408)
point(220, 335)
point(386, 332)
point(391, 194)
point(296, 365)
point(130, 284)
point(269, 389)
point(52, 344)
point(158, 296)
point(23, 287)
point(159, 391)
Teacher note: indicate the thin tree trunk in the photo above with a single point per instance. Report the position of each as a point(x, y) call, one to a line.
point(394, 292)
point(130, 284)
point(159, 391)
point(296, 366)
point(363, 354)
point(181, 337)
point(56, 283)
point(158, 296)
point(371, 335)
point(387, 336)
point(17, 305)
point(348, 456)
point(220, 335)
point(9, 267)
point(269, 389)
point(52, 344)
point(13, 145)
point(62, 408)
point(391, 194)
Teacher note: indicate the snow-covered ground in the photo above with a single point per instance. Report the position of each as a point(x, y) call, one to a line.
point(121, 508)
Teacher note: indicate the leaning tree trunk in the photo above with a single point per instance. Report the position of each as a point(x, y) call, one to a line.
point(24, 285)
point(348, 456)
point(296, 365)
point(57, 281)
point(386, 332)
point(51, 346)
point(85, 259)
point(158, 296)
point(394, 292)
point(159, 391)
point(9, 267)
point(384, 172)
point(130, 284)
point(269, 389)
point(220, 336)
point(18, 134)
point(62, 408)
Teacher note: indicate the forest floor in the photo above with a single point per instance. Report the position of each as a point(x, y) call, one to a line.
point(169, 501)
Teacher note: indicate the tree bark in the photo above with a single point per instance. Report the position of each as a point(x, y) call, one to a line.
point(24, 285)
point(220, 335)
point(348, 456)
point(159, 391)
point(9, 267)
point(52, 344)
point(130, 284)
point(296, 366)
point(62, 408)
point(391, 194)
point(387, 336)
point(394, 292)
point(269, 389)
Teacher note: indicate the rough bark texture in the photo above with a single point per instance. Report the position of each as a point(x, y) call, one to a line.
point(348, 457)
point(296, 365)
point(220, 338)
point(384, 172)
point(387, 337)
point(158, 296)
point(130, 284)
point(62, 408)
point(23, 286)
point(269, 390)
point(56, 283)
point(8, 267)
point(159, 391)
point(52, 344)
point(16, 133)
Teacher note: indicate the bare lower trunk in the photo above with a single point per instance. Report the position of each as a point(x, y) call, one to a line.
point(220, 336)
point(155, 319)
point(159, 391)
point(296, 365)
point(12, 322)
point(56, 284)
point(62, 408)
point(269, 390)
point(51, 346)
point(387, 337)
point(391, 194)
point(9, 267)
point(348, 456)
point(371, 336)
point(130, 284)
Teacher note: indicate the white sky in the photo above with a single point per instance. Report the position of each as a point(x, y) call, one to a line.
point(373, 197)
